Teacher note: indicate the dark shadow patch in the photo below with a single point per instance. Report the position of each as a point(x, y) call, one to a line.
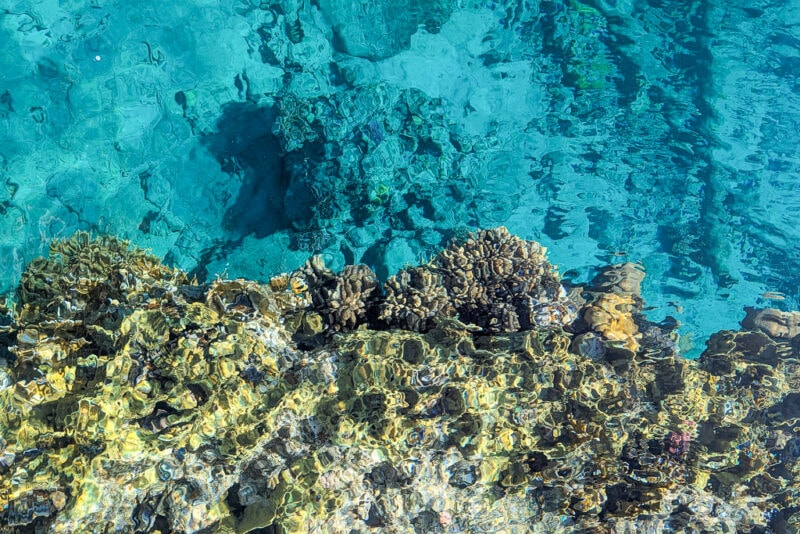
point(245, 146)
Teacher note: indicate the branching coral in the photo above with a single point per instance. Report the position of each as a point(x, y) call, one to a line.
point(414, 298)
point(493, 280)
point(345, 300)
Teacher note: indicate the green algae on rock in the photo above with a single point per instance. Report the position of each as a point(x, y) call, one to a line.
point(137, 400)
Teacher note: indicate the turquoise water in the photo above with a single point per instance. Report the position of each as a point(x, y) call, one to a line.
point(237, 138)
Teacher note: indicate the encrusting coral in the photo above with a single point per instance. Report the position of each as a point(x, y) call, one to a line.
point(133, 378)
point(610, 317)
point(173, 406)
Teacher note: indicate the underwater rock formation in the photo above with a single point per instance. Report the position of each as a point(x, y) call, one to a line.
point(378, 31)
point(774, 323)
point(373, 155)
point(137, 400)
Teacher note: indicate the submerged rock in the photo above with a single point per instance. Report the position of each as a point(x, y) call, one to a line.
point(318, 403)
point(774, 323)
point(378, 31)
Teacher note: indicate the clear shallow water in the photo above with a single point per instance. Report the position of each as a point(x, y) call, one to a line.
point(241, 138)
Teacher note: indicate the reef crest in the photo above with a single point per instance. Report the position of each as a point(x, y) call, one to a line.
point(473, 393)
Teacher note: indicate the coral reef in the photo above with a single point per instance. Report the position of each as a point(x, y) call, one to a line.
point(503, 283)
point(373, 156)
point(315, 403)
point(493, 280)
point(345, 300)
point(133, 379)
point(415, 298)
point(611, 316)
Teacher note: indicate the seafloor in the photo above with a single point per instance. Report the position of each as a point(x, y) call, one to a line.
point(472, 393)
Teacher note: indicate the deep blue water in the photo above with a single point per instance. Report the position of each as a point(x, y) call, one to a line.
point(237, 138)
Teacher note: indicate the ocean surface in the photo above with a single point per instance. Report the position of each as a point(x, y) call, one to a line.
point(237, 138)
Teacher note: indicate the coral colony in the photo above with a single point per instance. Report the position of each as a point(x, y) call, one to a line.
point(473, 393)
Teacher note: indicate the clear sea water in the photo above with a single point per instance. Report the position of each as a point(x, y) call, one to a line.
point(237, 138)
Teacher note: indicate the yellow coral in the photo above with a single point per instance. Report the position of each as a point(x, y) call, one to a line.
point(610, 316)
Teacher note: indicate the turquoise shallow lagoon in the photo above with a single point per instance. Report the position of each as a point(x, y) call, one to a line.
point(240, 137)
